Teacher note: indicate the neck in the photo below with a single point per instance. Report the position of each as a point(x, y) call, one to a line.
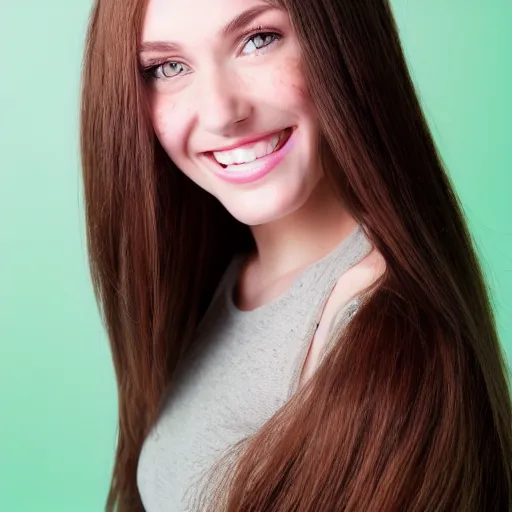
point(308, 234)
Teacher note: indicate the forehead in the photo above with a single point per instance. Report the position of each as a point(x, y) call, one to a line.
point(180, 19)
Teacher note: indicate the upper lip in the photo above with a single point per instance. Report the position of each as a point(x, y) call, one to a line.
point(245, 141)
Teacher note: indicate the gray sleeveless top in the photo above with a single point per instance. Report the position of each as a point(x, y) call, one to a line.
point(243, 367)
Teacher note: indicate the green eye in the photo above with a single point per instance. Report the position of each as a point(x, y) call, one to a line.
point(169, 69)
point(259, 41)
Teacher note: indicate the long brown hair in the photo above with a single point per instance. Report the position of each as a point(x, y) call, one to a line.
point(411, 410)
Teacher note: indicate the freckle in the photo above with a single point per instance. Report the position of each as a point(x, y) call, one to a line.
point(293, 68)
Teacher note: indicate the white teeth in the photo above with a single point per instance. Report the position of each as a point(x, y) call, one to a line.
point(249, 153)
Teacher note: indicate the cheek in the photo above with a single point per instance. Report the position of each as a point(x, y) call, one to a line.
point(290, 85)
point(169, 123)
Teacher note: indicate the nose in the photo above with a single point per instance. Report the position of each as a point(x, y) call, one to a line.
point(222, 103)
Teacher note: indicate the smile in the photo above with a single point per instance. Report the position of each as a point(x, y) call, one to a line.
point(250, 152)
point(250, 161)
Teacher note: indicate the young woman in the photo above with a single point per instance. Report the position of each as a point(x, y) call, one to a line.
point(297, 316)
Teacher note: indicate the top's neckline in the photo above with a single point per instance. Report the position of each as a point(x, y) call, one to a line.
point(342, 246)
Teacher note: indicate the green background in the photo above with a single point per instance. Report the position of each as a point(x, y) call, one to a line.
point(58, 398)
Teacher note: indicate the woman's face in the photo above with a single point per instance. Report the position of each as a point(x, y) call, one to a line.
point(230, 105)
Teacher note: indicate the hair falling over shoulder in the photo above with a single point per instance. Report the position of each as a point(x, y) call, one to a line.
point(412, 410)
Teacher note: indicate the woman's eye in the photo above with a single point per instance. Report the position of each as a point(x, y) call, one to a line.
point(173, 69)
point(169, 70)
point(260, 41)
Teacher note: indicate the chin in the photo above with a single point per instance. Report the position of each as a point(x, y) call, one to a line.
point(265, 209)
point(256, 218)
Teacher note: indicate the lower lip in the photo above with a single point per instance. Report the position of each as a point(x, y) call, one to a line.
point(253, 171)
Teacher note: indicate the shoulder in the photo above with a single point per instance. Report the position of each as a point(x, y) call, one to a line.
point(341, 305)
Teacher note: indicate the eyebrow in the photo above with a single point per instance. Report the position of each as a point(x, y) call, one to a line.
point(237, 23)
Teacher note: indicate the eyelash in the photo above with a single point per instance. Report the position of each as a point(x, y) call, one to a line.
point(149, 69)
